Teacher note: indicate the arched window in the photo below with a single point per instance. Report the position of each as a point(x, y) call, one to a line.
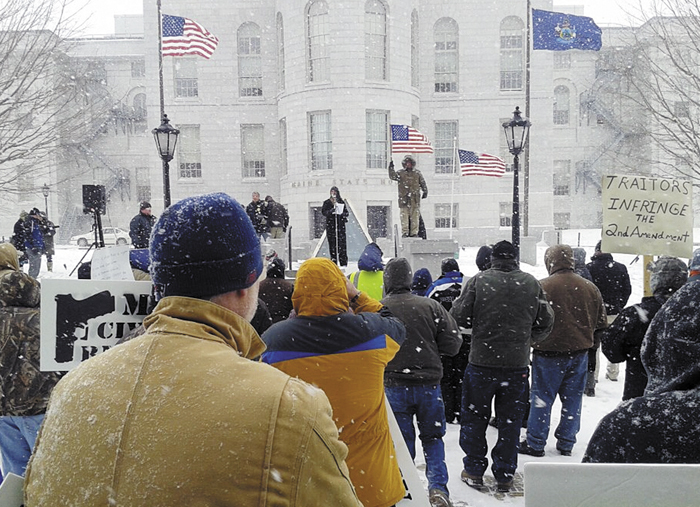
point(318, 40)
point(375, 41)
point(249, 61)
point(414, 50)
point(280, 52)
point(561, 105)
point(512, 53)
point(446, 55)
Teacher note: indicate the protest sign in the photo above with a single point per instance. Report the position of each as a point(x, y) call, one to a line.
point(82, 318)
point(647, 215)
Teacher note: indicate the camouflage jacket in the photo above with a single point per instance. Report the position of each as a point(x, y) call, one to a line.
point(25, 390)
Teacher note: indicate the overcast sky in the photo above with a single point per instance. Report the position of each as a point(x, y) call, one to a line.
point(604, 12)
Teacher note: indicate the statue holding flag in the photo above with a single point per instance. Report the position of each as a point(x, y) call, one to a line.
point(411, 184)
point(412, 187)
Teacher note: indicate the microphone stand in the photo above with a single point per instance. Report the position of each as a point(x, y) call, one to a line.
point(335, 213)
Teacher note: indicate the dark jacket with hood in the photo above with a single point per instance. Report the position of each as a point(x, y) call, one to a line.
point(662, 425)
point(613, 281)
point(507, 310)
point(622, 341)
point(430, 330)
point(580, 264)
point(276, 291)
point(577, 304)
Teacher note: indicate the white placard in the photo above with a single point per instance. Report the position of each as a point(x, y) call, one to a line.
point(82, 318)
point(339, 208)
point(111, 263)
point(647, 215)
point(12, 491)
point(415, 492)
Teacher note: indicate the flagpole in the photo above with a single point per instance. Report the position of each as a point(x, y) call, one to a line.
point(452, 193)
point(160, 60)
point(526, 157)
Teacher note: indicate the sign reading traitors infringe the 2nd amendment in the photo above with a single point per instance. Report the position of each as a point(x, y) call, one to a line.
point(647, 215)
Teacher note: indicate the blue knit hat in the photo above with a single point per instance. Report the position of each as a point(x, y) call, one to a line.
point(203, 246)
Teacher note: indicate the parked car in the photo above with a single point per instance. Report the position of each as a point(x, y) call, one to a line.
point(112, 236)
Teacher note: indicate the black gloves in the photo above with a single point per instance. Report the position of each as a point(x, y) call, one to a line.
point(425, 194)
point(391, 164)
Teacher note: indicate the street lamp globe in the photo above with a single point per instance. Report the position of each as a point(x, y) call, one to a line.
point(166, 139)
point(516, 131)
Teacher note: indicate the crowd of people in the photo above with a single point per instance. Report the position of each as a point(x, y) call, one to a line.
point(276, 390)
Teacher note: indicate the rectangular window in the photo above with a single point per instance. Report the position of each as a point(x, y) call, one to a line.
point(505, 214)
point(444, 148)
point(253, 151)
point(681, 109)
point(189, 154)
point(283, 144)
point(186, 84)
point(25, 185)
point(138, 68)
point(561, 177)
point(378, 221)
point(317, 222)
point(512, 61)
point(376, 139)
point(446, 216)
point(561, 221)
point(562, 60)
point(321, 147)
point(143, 184)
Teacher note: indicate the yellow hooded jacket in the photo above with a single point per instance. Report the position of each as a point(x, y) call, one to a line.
point(344, 353)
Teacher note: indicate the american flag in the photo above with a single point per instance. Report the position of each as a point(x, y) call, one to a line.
point(475, 164)
point(405, 139)
point(184, 37)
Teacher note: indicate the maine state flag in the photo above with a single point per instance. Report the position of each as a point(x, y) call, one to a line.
point(556, 31)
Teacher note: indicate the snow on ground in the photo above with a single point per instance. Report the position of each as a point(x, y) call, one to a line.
point(608, 394)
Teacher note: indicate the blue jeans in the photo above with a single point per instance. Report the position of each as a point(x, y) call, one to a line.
point(17, 438)
point(551, 376)
point(425, 403)
point(481, 385)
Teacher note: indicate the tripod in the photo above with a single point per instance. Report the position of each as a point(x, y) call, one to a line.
point(99, 237)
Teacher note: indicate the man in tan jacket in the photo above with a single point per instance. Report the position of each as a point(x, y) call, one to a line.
point(181, 415)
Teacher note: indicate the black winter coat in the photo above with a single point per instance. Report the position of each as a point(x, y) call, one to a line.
point(140, 230)
point(622, 341)
point(612, 280)
point(662, 425)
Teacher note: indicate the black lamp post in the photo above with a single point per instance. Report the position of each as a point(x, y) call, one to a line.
point(516, 131)
point(166, 140)
point(45, 190)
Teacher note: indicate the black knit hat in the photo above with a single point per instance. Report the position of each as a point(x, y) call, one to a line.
point(503, 250)
point(483, 258)
point(449, 264)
